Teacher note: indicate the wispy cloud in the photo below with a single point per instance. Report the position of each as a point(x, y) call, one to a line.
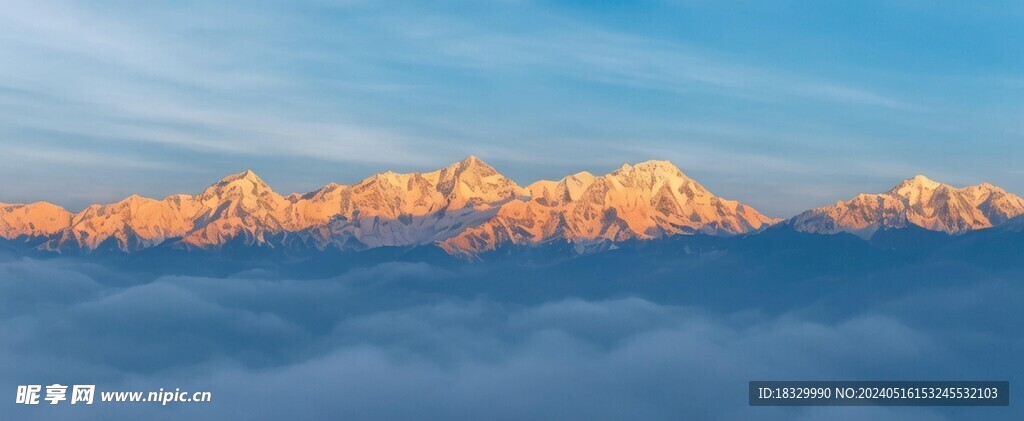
point(575, 49)
point(539, 89)
point(127, 83)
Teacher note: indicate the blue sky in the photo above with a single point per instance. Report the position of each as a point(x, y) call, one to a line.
point(785, 106)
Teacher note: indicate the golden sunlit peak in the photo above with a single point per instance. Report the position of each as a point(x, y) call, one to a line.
point(651, 166)
point(471, 164)
point(918, 181)
point(581, 175)
point(472, 160)
point(244, 175)
point(243, 179)
point(922, 179)
point(133, 198)
point(657, 164)
point(990, 186)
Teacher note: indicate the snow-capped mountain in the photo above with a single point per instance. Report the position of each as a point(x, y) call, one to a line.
point(649, 200)
point(33, 220)
point(132, 224)
point(469, 208)
point(238, 206)
point(392, 209)
point(916, 201)
point(386, 209)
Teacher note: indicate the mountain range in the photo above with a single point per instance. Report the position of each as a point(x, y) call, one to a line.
point(917, 201)
point(469, 208)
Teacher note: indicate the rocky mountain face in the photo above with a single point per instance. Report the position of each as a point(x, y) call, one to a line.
point(468, 208)
point(386, 209)
point(649, 200)
point(33, 220)
point(916, 201)
point(392, 209)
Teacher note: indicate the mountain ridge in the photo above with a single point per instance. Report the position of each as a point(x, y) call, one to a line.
point(648, 200)
point(917, 201)
point(468, 208)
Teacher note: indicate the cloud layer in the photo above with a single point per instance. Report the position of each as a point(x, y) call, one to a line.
point(363, 345)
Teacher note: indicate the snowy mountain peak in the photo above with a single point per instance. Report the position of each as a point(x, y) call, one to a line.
point(472, 160)
point(469, 207)
point(918, 183)
point(664, 167)
point(568, 189)
point(651, 173)
point(652, 167)
point(134, 200)
point(985, 189)
point(35, 219)
point(572, 187)
point(471, 182)
point(648, 200)
point(247, 175)
point(243, 184)
point(321, 193)
point(922, 181)
point(471, 166)
point(916, 201)
point(582, 175)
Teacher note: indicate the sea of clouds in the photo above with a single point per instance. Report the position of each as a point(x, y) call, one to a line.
point(366, 345)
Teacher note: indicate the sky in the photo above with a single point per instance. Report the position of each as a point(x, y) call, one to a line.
point(785, 106)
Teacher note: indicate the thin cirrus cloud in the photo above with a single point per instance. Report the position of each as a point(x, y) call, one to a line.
point(583, 51)
point(143, 88)
point(345, 89)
